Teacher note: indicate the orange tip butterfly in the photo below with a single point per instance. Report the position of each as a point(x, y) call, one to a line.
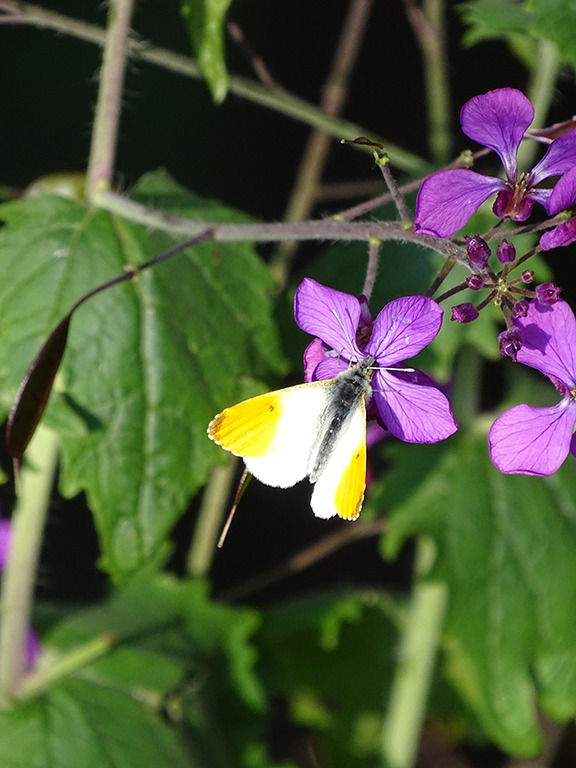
point(315, 430)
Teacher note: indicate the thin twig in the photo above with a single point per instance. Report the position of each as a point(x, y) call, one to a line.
point(257, 62)
point(313, 160)
point(304, 559)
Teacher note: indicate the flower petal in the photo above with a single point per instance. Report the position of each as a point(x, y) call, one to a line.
point(329, 368)
point(560, 236)
point(563, 195)
point(499, 119)
point(548, 335)
point(448, 199)
point(532, 441)
point(314, 353)
point(330, 315)
point(411, 410)
point(560, 158)
point(403, 328)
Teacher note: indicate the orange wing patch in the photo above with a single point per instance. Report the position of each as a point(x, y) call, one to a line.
point(350, 491)
point(249, 428)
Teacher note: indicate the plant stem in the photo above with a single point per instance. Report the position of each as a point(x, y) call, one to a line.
point(428, 23)
point(407, 705)
point(105, 131)
point(207, 531)
point(321, 229)
point(372, 268)
point(278, 99)
point(540, 91)
point(40, 680)
point(313, 160)
point(437, 81)
point(28, 520)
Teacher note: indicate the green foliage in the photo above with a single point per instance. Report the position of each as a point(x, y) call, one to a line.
point(488, 19)
point(177, 670)
point(555, 20)
point(205, 21)
point(507, 550)
point(521, 22)
point(332, 657)
point(106, 727)
point(148, 363)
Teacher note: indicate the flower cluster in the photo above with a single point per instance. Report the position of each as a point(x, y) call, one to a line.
point(498, 120)
point(540, 333)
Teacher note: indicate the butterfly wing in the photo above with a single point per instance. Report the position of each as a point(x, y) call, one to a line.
point(339, 489)
point(277, 434)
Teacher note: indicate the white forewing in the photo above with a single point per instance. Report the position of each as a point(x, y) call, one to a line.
point(298, 436)
point(350, 438)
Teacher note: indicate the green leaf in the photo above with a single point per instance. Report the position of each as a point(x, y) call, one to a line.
point(507, 550)
point(489, 19)
point(174, 649)
point(206, 21)
point(80, 723)
point(555, 20)
point(174, 622)
point(148, 363)
point(332, 657)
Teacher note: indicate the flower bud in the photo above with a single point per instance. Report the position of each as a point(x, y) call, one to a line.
point(509, 343)
point(464, 313)
point(475, 282)
point(527, 276)
point(548, 293)
point(520, 309)
point(478, 251)
point(505, 252)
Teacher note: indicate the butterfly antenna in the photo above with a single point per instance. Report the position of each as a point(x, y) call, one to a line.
point(242, 485)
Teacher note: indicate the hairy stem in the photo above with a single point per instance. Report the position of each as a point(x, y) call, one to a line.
point(105, 131)
point(28, 521)
point(322, 229)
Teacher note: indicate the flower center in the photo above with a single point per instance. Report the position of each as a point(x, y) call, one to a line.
point(515, 202)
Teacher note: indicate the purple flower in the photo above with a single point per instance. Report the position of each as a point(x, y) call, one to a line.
point(535, 441)
point(498, 120)
point(563, 196)
point(406, 401)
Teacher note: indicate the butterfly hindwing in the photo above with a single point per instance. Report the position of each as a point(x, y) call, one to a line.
point(339, 489)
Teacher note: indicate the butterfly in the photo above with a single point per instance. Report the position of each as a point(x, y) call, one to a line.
point(315, 430)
